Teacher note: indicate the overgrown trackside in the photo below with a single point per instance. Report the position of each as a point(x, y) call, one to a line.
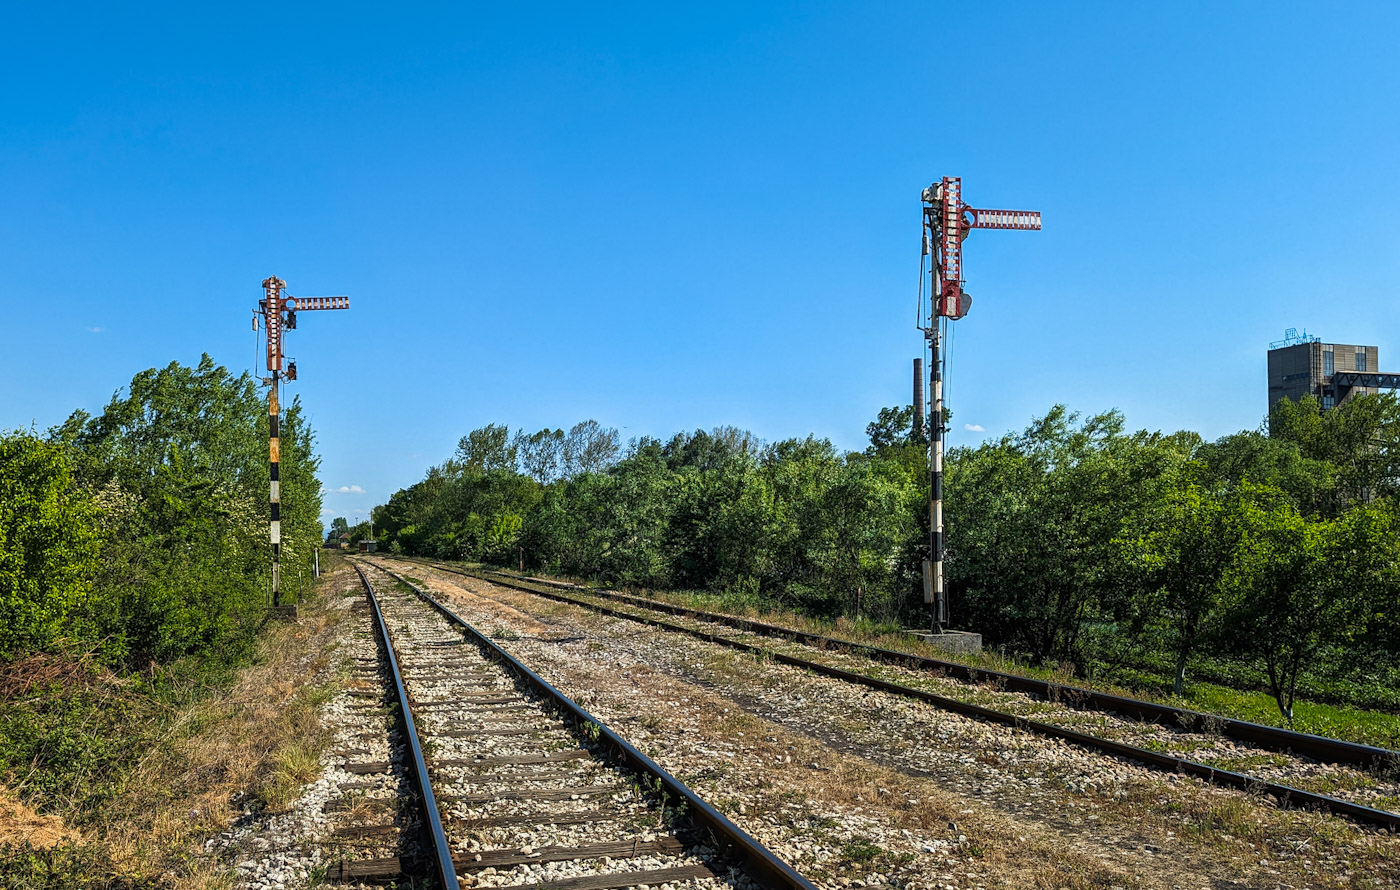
point(133, 581)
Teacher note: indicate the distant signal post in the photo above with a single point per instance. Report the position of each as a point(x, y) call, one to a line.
point(278, 312)
point(947, 221)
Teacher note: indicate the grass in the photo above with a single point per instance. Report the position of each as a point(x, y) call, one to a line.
point(1366, 685)
point(1335, 721)
point(1218, 820)
point(146, 768)
point(293, 766)
point(860, 850)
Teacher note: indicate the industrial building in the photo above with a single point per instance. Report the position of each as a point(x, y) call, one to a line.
point(1300, 365)
point(1333, 372)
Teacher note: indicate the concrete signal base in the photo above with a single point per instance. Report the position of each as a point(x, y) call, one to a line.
point(951, 640)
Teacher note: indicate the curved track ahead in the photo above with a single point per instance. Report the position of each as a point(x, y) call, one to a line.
point(513, 759)
point(1270, 738)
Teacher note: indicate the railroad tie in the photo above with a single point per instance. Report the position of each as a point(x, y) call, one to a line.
point(613, 850)
point(578, 791)
point(376, 871)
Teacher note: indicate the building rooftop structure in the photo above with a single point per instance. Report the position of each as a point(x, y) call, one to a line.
point(1300, 365)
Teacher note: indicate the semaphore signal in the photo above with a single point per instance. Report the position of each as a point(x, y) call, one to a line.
point(947, 221)
point(278, 312)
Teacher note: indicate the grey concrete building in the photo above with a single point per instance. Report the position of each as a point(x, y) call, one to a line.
point(1334, 372)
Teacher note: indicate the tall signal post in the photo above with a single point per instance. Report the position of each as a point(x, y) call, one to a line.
point(279, 315)
point(947, 221)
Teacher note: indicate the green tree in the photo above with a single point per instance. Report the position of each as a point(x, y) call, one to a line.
point(1303, 585)
point(1272, 462)
point(48, 545)
point(1035, 520)
point(1358, 441)
point(1186, 546)
point(590, 448)
point(541, 454)
point(487, 448)
point(867, 511)
point(634, 518)
point(718, 521)
point(178, 466)
point(894, 427)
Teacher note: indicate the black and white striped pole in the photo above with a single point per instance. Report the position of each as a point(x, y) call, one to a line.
point(935, 594)
point(941, 237)
point(279, 314)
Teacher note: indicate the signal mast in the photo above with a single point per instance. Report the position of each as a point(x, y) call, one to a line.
point(947, 221)
point(278, 312)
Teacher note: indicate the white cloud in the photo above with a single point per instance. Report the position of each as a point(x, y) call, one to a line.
point(974, 428)
point(347, 489)
point(327, 512)
point(92, 330)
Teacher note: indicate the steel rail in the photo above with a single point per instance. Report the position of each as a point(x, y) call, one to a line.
point(1273, 738)
point(758, 861)
point(442, 851)
point(1285, 794)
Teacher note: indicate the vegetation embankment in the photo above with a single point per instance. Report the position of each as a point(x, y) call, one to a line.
point(1266, 560)
point(133, 588)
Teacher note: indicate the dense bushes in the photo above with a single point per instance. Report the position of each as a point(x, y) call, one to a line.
point(1072, 541)
point(1077, 542)
point(133, 575)
point(48, 544)
point(140, 534)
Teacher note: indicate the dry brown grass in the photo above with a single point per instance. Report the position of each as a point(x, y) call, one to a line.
point(21, 825)
point(255, 744)
point(41, 672)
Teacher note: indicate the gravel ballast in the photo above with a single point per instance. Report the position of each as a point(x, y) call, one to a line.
point(856, 786)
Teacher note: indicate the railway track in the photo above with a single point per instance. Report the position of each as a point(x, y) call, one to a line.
point(515, 784)
point(1296, 751)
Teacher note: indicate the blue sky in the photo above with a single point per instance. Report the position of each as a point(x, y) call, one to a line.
point(670, 216)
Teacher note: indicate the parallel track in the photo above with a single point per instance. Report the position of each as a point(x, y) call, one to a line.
point(1317, 747)
point(512, 758)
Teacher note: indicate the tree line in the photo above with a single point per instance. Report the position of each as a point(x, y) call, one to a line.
point(795, 522)
point(1072, 541)
point(1077, 541)
point(140, 534)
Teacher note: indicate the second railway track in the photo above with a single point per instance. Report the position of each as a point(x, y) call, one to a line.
point(521, 787)
point(705, 626)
